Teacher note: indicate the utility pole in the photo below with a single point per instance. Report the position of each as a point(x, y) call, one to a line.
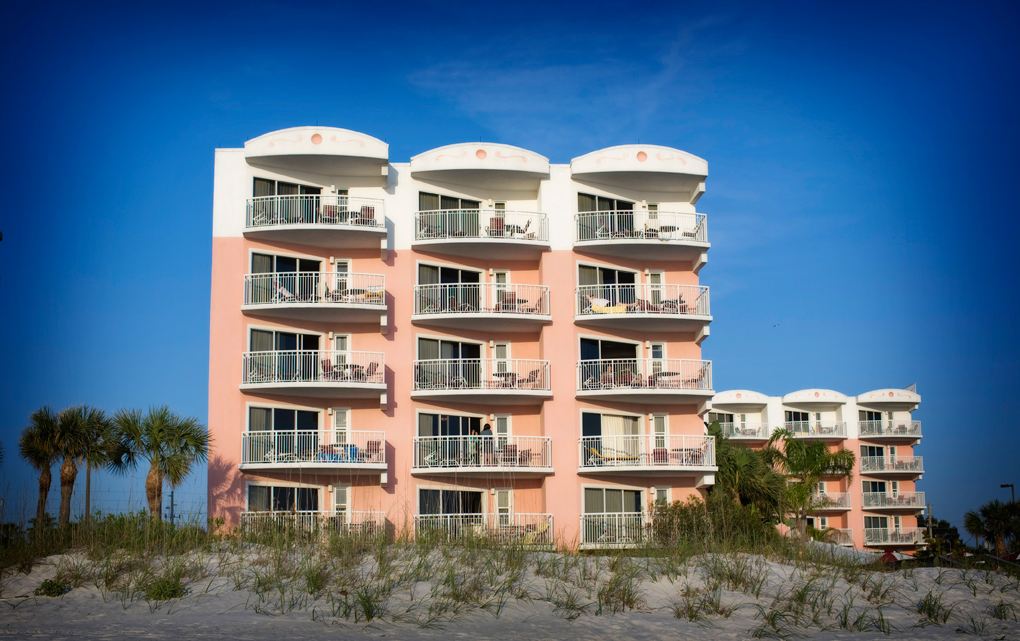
point(171, 506)
point(1012, 491)
point(930, 517)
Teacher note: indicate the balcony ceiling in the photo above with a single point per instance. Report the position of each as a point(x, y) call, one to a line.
point(483, 165)
point(644, 168)
point(328, 151)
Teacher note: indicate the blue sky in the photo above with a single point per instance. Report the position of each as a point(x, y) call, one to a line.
point(861, 203)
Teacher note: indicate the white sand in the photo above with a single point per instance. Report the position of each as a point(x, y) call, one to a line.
point(215, 608)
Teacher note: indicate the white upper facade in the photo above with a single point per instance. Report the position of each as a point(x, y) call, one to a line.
point(825, 406)
point(648, 176)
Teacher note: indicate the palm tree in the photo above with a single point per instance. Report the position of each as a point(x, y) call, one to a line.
point(100, 446)
point(170, 443)
point(994, 521)
point(82, 433)
point(803, 464)
point(38, 445)
point(745, 476)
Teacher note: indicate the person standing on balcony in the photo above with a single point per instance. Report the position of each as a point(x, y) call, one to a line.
point(487, 450)
point(472, 443)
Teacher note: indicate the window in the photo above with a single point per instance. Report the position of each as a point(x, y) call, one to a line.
point(271, 498)
point(602, 500)
point(655, 285)
point(342, 501)
point(502, 429)
point(872, 451)
point(660, 430)
point(662, 496)
point(447, 424)
point(501, 354)
point(818, 522)
point(723, 418)
point(442, 288)
point(604, 217)
point(341, 425)
point(449, 502)
point(895, 488)
point(797, 417)
point(265, 419)
point(868, 415)
point(614, 286)
point(442, 216)
point(876, 523)
point(268, 187)
point(504, 506)
point(873, 487)
point(591, 202)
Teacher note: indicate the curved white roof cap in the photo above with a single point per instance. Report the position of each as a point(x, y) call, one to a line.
point(319, 149)
point(740, 397)
point(890, 395)
point(482, 164)
point(827, 396)
point(640, 158)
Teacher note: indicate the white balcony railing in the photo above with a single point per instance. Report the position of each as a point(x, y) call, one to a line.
point(831, 501)
point(647, 450)
point(302, 447)
point(305, 521)
point(273, 367)
point(839, 535)
point(313, 209)
point(665, 300)
point(519, 528)
point(808, 429)
point(909, 429)
point(748, 431)
point(504, 452)
point(644, 373)
point(622, 225)
point(481, 374)
point(480, 224)
point(878, 500)
point(614, 529)
point(282, 288)
point(908, 464)
point(481, 298)
point(893, 536)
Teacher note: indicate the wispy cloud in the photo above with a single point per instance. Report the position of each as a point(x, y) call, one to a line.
point(575, 94)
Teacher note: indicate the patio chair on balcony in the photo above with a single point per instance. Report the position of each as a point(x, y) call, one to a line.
point(455, 306)
point(373, 452)
point(329, 372)
point(697, 381)
point(368, 375)
point(645, 307)
point(508, 456)
point(495, 228)
point(284, 295)
point(366, 216)
point(536, 536)
point(531, 380)
point(610, 456)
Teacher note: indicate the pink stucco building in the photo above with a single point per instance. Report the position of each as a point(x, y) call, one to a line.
point(368, 316)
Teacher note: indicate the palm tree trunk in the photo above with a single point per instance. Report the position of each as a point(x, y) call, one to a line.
point(45, 480)
point(88, 490)
point(154, 492)
point(68, 474)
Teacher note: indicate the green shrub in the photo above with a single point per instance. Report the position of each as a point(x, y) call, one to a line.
point(715, 523)
point(53, 587)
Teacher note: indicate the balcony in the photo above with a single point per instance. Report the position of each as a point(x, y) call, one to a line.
point(641, 380)
point(677, 308)
point(892, 536)
point(614, 530)
point(647, 454)
point(887, 466)
point(528, 529)
point(335, 221)
point(839, 535)
point(321, 450)
point(910, 501)
point(315, 374)
point(482, 233)
point(653, 235)
point(316, 296)
point(487, 381)
point(815, 430)
point(350, 522)
point(890, 430)
point(745, 431)
point(830, 502)
point(507, 307)
point(478, 455)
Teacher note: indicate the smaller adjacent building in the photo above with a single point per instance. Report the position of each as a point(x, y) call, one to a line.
point(880, 505)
